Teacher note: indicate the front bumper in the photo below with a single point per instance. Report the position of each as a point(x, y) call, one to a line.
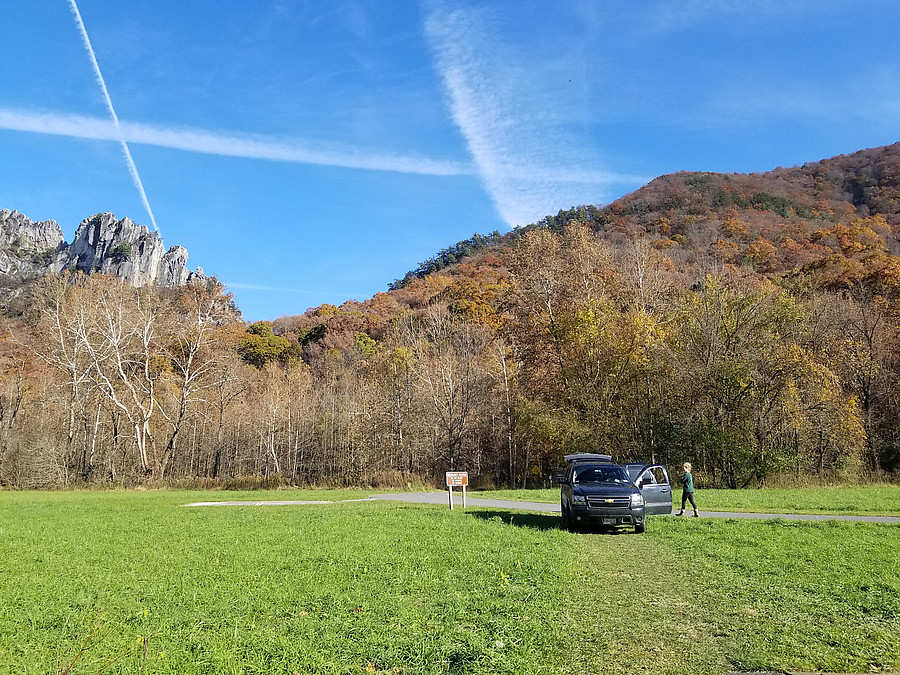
point(607, 515)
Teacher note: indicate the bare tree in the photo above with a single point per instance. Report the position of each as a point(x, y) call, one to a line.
point(190, 320)
point(448, 362)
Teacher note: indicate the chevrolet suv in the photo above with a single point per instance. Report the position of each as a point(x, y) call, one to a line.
point(593, 489)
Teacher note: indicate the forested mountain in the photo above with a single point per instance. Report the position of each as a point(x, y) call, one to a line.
point(747, 323)
point(775, 222)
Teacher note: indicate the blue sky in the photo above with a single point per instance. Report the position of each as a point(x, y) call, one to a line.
point(308, 152)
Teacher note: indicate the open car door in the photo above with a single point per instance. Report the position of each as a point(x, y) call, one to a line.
point(653, 482)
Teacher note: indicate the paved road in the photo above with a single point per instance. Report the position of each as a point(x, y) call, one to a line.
point(291, 502)
point(442, 498)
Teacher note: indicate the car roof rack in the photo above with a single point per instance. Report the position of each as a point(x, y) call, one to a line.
point(587, 457)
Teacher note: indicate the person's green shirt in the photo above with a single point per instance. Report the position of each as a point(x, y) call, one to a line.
point(687, 481)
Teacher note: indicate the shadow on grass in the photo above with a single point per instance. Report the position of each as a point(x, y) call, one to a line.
point(537, 521)
point(540, 521)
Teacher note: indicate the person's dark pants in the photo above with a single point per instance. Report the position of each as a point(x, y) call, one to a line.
point(688, 496)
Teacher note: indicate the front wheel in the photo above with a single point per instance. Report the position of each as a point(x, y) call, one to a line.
point(564, 513)
point(640, 528)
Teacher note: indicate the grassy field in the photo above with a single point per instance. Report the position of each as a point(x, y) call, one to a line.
point(869, 500)
point(367, 587)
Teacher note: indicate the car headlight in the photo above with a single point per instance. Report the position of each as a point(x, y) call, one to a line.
point(637, 500)
point(579, 499)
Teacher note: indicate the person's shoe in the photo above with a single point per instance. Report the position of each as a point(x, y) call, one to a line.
point(696, 514)
point(680, 513)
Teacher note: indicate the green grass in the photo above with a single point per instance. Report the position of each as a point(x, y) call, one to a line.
point(793, 595)
point(327, 589)
point(869, 500)
point(400, 588)
point(284, 494)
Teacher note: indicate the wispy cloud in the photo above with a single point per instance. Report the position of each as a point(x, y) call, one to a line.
point(132, 167)
point(228, 145)
point(514, 125)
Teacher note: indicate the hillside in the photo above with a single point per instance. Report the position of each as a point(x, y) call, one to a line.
point(687, 252)
point(778, 221)
point(749, 324)
point(835, 223)
point(775, 222)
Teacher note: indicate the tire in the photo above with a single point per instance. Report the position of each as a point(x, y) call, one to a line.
point(567, 522)
point(640, 528)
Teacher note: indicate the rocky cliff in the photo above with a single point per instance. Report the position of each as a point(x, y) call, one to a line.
point(27, 248)
point(102, 245)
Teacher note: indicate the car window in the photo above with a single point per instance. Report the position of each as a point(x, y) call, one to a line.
point(659, 476)
point(654, 475)
point(634, 470)
point(601, 474)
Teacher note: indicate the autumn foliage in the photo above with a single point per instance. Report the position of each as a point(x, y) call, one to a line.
point(746, 323)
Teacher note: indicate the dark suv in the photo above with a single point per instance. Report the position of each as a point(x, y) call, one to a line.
point(593, 489)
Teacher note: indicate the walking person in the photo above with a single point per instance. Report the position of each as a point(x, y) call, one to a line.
point(687, 493)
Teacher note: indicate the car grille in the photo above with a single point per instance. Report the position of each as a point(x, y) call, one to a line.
point(608, 502)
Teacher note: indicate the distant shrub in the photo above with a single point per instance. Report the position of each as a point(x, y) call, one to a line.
point(121, 252)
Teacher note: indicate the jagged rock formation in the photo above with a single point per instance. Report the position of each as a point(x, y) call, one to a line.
point(27, 248)
point(102, 245)
point(122, 248)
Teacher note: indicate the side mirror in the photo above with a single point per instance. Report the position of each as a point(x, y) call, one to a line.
point(561, 477)
point(645, 481)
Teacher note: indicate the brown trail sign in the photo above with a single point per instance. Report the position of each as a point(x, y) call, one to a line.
point(459, 479)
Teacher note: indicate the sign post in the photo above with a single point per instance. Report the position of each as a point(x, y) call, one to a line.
point(460, 478)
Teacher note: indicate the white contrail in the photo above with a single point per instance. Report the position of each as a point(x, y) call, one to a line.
point(136, 177)
point(273, 148)
point(251, 146)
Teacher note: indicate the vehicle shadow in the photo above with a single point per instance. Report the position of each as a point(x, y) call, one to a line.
point(540, 521)
point(537, 521)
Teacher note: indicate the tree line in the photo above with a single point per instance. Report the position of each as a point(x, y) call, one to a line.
point(558, 344)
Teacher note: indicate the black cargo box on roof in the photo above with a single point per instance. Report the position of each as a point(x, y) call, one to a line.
point(587, 457)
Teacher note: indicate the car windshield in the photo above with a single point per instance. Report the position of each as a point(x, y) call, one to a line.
point(602, 474)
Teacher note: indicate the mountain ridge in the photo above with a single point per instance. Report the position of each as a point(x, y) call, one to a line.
point(717, 217)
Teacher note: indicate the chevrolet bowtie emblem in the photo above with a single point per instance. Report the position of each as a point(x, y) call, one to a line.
point(608, 501)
